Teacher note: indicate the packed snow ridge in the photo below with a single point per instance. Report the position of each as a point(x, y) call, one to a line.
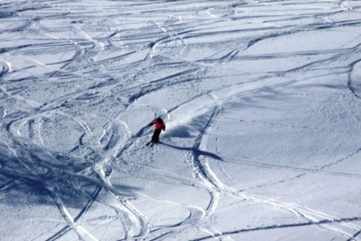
point(261, 100)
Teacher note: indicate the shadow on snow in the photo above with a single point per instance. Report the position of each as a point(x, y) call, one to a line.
point(29, 173)
point(194, 150)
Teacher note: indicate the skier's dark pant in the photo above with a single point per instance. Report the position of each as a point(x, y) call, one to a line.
point(155, 137)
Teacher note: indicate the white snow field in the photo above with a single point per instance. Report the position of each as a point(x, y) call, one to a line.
point(261, 98)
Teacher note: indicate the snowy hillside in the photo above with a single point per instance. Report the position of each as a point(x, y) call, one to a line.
point(261, 98)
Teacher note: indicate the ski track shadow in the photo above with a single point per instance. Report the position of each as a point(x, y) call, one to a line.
point(33, 173)
point(282, 226)
point(194, 150)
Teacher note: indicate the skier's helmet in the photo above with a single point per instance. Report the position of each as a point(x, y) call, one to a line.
point(162, 113)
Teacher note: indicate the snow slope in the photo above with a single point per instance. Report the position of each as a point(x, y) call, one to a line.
point(262, 105)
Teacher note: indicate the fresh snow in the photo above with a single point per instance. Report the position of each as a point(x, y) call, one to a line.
point(261, 100)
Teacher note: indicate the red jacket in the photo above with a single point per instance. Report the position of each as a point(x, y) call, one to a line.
point(159, 124)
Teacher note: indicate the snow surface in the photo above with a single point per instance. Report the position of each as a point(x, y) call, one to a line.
point(262, 105)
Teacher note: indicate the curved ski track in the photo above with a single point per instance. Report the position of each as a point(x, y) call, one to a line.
point(113, 66)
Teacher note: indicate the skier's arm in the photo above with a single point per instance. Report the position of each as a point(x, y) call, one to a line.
point(150, 124)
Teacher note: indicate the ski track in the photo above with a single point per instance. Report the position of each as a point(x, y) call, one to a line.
point(82, 212)
point(216, 188)
point(145, 44)
point(281, 226)
point(211, 182)
point(82, 233)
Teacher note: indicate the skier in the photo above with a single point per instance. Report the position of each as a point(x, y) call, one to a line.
point(159, 125)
